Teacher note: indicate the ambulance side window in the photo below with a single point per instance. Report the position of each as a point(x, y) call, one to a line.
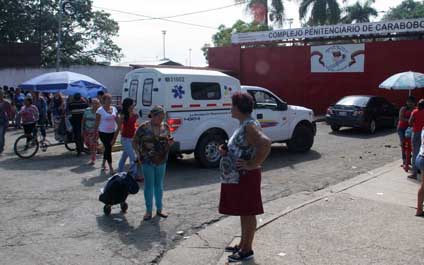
point(205, 91)
point(147, 92)
point(133, 90)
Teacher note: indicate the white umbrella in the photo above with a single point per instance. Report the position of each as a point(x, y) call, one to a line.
point(404, 81)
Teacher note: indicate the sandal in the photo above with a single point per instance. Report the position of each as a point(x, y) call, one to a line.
point(413, 176)
point(161, 214)
point(420, 215)
point(147, 217)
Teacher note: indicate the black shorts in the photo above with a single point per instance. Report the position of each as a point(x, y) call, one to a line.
point(29, 128)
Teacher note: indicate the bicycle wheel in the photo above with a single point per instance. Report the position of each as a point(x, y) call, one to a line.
point(24, 148)
point(70, 145)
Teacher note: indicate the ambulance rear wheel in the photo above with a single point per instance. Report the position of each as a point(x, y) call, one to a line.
point(207, 150)
point(107, 209)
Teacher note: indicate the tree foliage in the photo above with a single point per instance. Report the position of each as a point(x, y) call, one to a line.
point(406, 10)
point(223, 36)
point(275, 10)
point(359, 13)
point(319, 12)
point(86, 34)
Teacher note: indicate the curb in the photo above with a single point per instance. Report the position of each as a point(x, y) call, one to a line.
point(207, 244)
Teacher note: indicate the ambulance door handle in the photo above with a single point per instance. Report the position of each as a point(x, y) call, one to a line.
point(140, 113)
point(259, 116)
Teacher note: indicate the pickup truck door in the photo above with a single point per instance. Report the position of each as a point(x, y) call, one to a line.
point(269, 112)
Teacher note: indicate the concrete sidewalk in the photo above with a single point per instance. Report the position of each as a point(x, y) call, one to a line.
point(366, 220)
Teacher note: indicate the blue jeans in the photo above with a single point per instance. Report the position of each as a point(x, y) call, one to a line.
point(128, 152)
point(419, 163)
point(416, 144)
point(153, 185)
point(3, 128)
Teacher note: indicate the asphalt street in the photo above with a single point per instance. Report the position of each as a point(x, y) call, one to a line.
point(51, 215)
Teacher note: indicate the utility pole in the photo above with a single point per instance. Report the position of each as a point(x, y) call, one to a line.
point(59, 33)
point(189, 57)
point(164, 34)
point(266, 13)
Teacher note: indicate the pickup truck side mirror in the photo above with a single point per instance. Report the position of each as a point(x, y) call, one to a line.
point(283, 106)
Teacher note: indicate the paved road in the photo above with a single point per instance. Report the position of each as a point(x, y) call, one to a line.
point(50, 213)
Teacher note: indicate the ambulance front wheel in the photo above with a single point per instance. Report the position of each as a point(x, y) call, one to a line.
point(207, 150)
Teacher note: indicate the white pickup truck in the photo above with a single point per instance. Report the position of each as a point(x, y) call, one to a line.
point(198, 104)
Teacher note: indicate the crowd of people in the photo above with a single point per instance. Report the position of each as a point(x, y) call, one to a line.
point(147, 147)
point(411, 133)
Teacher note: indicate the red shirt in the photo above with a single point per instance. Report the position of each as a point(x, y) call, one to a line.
point(406, 115)
point(128, 127)
point(418, 123)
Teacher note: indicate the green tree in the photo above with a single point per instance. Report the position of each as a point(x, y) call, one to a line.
point(275, 10)
point(406, 10)
point(86, 34)
point(320, 12)
point(223, 36)
point(360, 13)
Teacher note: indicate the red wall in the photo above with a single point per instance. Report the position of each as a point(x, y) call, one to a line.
point(287, 72)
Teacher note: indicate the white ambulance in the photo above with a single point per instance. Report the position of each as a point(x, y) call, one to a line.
point(198, 105)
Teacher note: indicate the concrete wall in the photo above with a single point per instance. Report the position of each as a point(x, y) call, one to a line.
point(110, 76)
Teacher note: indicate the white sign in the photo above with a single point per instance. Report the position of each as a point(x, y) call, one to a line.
point(346, 58)
point(375, 28)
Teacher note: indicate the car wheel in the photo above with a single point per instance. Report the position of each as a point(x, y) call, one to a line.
point(207, 150)
point(335, 128)
point(302, 140)
point(372, 127)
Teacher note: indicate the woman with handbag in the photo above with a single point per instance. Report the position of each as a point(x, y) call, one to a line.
point(152, 142)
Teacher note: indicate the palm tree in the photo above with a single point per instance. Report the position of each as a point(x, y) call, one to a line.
point(321, 12)
point(260, 10)
point(358, 13)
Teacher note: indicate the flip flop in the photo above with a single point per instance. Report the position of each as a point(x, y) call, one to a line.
point(147, 217)
point(420, 215)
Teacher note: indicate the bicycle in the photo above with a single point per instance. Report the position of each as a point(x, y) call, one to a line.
point(27, 146)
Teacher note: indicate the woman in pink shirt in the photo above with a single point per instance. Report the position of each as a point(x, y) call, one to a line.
point(29, 115)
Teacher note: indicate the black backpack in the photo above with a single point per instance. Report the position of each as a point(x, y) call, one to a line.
point(117, 188)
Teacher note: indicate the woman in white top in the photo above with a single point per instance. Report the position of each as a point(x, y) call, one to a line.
point(107, 119)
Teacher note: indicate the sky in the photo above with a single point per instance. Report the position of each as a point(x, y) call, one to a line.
point(142, 41)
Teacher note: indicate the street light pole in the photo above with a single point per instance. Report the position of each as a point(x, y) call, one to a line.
point(164, 34)
point(59, 33)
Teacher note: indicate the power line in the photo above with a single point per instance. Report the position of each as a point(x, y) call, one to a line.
point(156, 18)
point(187, 14)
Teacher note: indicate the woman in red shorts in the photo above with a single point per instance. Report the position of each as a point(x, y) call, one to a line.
point(240, 169)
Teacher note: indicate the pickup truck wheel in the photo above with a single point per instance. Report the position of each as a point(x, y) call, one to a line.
point(302, 140)
point(207, 150)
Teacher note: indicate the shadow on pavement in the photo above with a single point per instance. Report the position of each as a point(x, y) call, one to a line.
point(42, 162)
point(94, 180)
point(146, 236)
point(362, 134)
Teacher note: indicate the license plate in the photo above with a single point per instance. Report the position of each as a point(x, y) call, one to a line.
point(342, 113)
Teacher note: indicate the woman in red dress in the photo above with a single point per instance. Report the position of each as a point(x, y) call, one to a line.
point(240, 169)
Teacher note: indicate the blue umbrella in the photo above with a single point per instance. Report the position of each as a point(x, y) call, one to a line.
point(68, 83)
point(404, 81)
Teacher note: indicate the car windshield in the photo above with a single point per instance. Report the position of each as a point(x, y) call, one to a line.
point(354, 101)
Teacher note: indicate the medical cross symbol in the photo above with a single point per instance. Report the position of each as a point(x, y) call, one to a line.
point(178, 91)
